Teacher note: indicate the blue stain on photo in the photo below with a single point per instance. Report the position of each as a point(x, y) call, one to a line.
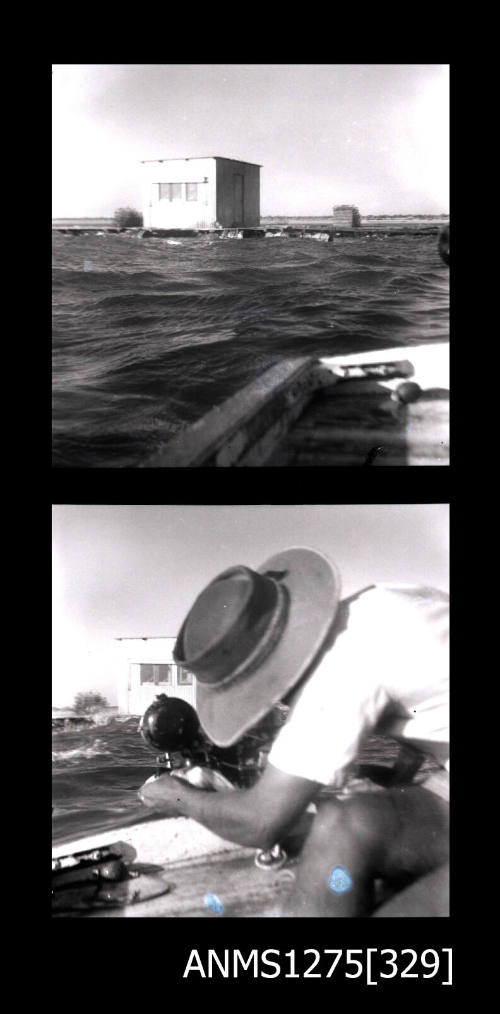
point(212, 902)
point(339, 880)
point(87, 265)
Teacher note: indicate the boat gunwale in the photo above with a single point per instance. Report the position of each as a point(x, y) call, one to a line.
point(246, 428)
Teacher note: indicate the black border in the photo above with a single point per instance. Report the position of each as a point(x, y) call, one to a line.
point(139, 955)
point(173, 941)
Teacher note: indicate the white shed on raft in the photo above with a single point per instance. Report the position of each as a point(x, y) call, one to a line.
point(147, 668)
point(200, 193)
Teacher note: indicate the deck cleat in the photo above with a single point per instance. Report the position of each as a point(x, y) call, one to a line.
point(271, 859)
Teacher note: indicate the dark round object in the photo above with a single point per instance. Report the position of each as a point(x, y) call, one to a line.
point(409, 391)
point(169, 724)
point(444, 244)
point(114, 869)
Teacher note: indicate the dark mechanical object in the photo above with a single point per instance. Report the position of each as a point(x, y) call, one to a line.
point(171, 728)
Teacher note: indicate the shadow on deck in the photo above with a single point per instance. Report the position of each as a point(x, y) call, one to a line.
point(358, 423)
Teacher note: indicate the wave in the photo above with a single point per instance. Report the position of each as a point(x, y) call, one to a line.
point(104, 718)
point(154, 334)
point(96, 749)
point(94, 276)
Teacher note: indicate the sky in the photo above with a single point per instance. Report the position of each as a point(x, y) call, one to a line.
point(135, 570)
point(372, 135)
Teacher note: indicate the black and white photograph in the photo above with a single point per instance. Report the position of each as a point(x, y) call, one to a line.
point(250, 265)
point(250, 712)
point(250, 701)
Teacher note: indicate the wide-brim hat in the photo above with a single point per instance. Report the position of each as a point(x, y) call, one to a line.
point(251, 635)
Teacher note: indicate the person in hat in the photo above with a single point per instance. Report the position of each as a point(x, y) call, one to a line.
point(374, 662)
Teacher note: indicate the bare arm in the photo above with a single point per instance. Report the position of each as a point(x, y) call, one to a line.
point(258, 817)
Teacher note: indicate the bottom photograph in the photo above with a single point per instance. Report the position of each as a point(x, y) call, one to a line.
point(250, 711)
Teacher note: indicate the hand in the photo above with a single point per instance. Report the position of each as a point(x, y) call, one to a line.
point(161, 793)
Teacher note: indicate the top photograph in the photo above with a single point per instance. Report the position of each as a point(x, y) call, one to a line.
point(250, 265)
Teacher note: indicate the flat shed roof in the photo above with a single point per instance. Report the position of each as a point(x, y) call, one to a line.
point(194, 158)
point(148, 637)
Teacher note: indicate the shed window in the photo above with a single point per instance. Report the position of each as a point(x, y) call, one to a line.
point(191, 191)
point(184, 677)
point(164, 673)
point(156, 673)
point(170, 191)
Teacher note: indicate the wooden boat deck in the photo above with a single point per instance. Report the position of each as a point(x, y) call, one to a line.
point(209, 866)
point(241, 889)
point(231, 886)
point(355, 423)
point(344, 410)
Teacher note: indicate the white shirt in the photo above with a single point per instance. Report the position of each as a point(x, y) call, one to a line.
point(389, 664)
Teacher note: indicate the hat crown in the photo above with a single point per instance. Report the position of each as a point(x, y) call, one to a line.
point(271, 630)
point(219, 606)
point(234, 620)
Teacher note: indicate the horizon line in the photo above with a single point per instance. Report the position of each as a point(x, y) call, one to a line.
point(389, 214)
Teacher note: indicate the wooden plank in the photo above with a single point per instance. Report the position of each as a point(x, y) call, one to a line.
point(427, 432)
point(346, 431)
point(303, 403)
point(359, 422)
point(224, 435)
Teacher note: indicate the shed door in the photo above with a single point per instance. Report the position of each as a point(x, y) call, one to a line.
point(237, 199)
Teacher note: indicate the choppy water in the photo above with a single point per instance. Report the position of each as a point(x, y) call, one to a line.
point(150, 334)
point(96, 773)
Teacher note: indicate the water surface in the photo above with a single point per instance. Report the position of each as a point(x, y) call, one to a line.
point(148, 334)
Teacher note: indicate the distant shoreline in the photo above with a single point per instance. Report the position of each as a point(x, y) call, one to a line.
point(289, 219)
point(364, 218)
point(320, 228)
point(382, 222)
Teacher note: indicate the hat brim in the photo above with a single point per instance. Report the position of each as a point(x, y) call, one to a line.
point(226, 711)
